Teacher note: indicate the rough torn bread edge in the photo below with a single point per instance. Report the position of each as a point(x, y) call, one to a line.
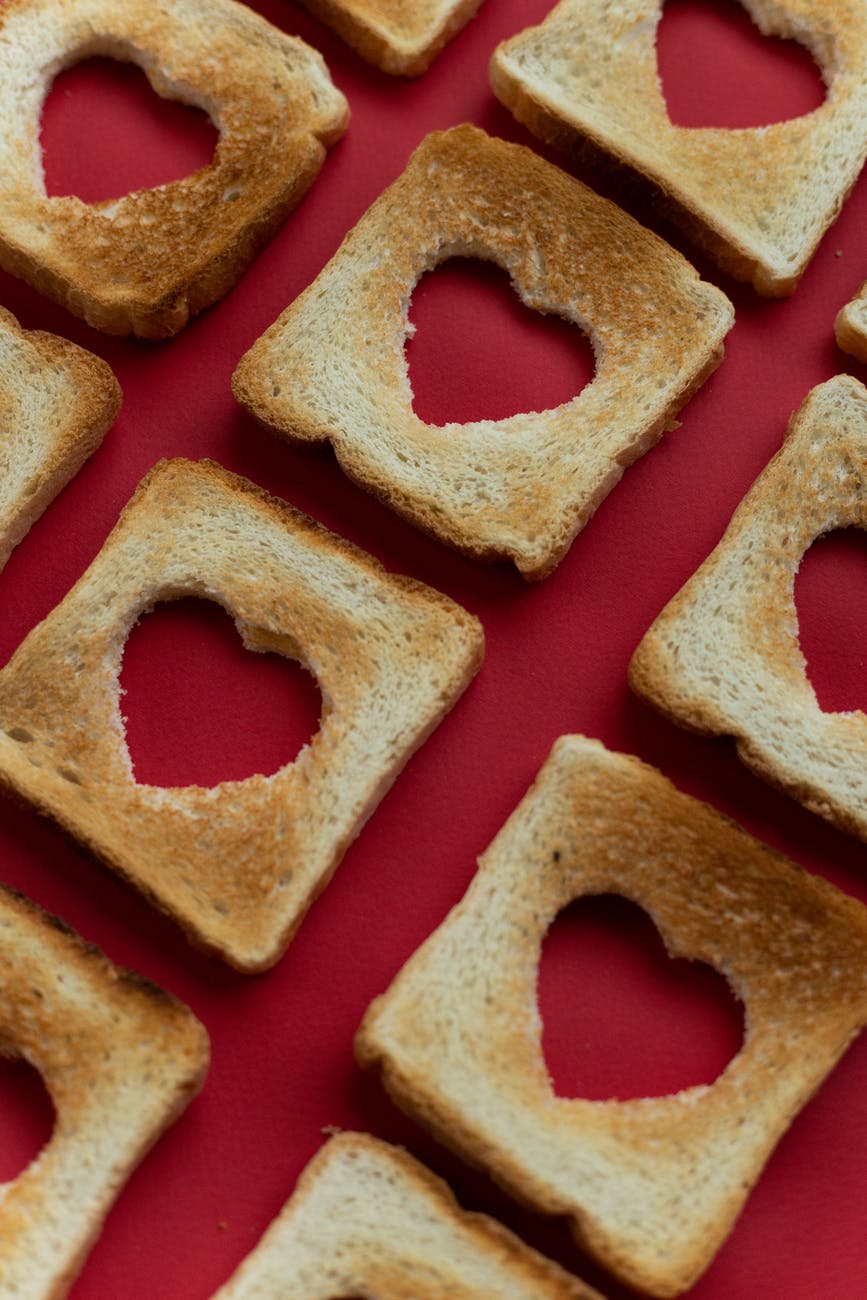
point(94, 401)
point(335, 1236)
point(379, 40)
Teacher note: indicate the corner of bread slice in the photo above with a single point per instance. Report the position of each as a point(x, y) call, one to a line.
point(237, 864)
point(651, 1186)
point(402, 40)
point(145, 262)
point(759, 199)
point(366, 1217)
point(57, 402)
point(724, 657)
point(120, 1060)
point(333, 368)
point(850, 327)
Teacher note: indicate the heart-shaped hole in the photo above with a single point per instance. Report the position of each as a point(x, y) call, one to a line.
point(831, 600)
point(106, 132)
point(478, 353)
point(620, 1018)
point(718, 70)
point(26, 1117)
point(200, 708)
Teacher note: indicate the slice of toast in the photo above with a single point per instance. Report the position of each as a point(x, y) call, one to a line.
point(333, 365)
point(399, 36)
point(57, 402)
point(146, 262)
point(850, 327)
point(651, 1186)
point(368, 1219)
point(237, 864)
point(723, 657)
point(758, 200)
point(120, 1059)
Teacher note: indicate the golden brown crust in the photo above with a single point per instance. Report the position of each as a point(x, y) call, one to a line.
point(402, 37)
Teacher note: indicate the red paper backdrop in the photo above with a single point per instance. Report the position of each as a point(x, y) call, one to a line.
point(619, 1018)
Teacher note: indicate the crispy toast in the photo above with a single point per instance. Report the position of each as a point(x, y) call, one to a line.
point(399, 36)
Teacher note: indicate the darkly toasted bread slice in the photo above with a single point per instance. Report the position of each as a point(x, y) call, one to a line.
point(723, 657)
point(399, 36)
point(238, 864)
point(120, 1060)
point(652, 1186)
point(758, 200)
point(333, 366)
point(56, 403)
point(368, 1219)
point(146, 262)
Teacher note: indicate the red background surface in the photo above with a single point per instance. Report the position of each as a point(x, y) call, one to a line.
point(620, 1019)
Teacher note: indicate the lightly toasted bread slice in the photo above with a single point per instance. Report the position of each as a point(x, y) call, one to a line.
point(237, 864)
point(651, 1186)
point(723, 657)
point(368, 1219)
point(759, 199)
point(120, 1059)
point(146, 262)
point(333, 365)
point(57, 402)
point(850, 327)
point(399, 36)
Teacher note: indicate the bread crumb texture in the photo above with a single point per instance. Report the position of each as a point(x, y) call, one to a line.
point(399, 36)
point(724, 657)
point(368, 1219)
point(758, 199)
point(237, 864)
point(333, 366)
point(120, 1060)
point(146, 262)
point(651, 1186)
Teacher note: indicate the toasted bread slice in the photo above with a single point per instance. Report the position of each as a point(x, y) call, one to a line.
point(146, 262)
point(368, 1219)
point(237, 864)
point(723, 657)
point(652, 1186)
point(333, 366)
point(57, 402)
point(758, 200)
point(120, 1060)
point(850, 326)
point(399, 36)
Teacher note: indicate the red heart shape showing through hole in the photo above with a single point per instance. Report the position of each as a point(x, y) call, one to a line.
point(831, 600)
point(28, 1117)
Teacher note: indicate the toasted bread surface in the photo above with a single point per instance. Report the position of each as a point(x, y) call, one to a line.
point(57, 402)
point(758, 200)
point(146, 262)
point(121, 1060)
point(651, 1186)
point(368, 1219)
point(399, 36)
point(237, 864)
point(723, 656)
point(333, 365)
point(850, 327)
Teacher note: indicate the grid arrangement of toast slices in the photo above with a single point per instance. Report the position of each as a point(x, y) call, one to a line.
point(433, 654)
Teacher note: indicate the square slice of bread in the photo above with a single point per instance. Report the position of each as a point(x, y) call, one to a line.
point(399, 36)
point(651, 1186)
point(366, 1219)
point(120, 1060)
point(758, 199)
point(57, 402)
point(237, 864)
point(146, 262)
point(724, 658)
point(850, 327)
point(333, 365)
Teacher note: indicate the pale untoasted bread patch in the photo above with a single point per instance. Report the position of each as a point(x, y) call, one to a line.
point(399, 36)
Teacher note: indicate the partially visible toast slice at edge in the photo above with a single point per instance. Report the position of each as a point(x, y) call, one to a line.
point(57, 402)
point(850, 327)
point(120, 1059)
point(651, 1186)
point(239, 864)
point(401, 38)
point(368, 1219)
point(723, 657)
point(758, 200)
point(333, 365)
